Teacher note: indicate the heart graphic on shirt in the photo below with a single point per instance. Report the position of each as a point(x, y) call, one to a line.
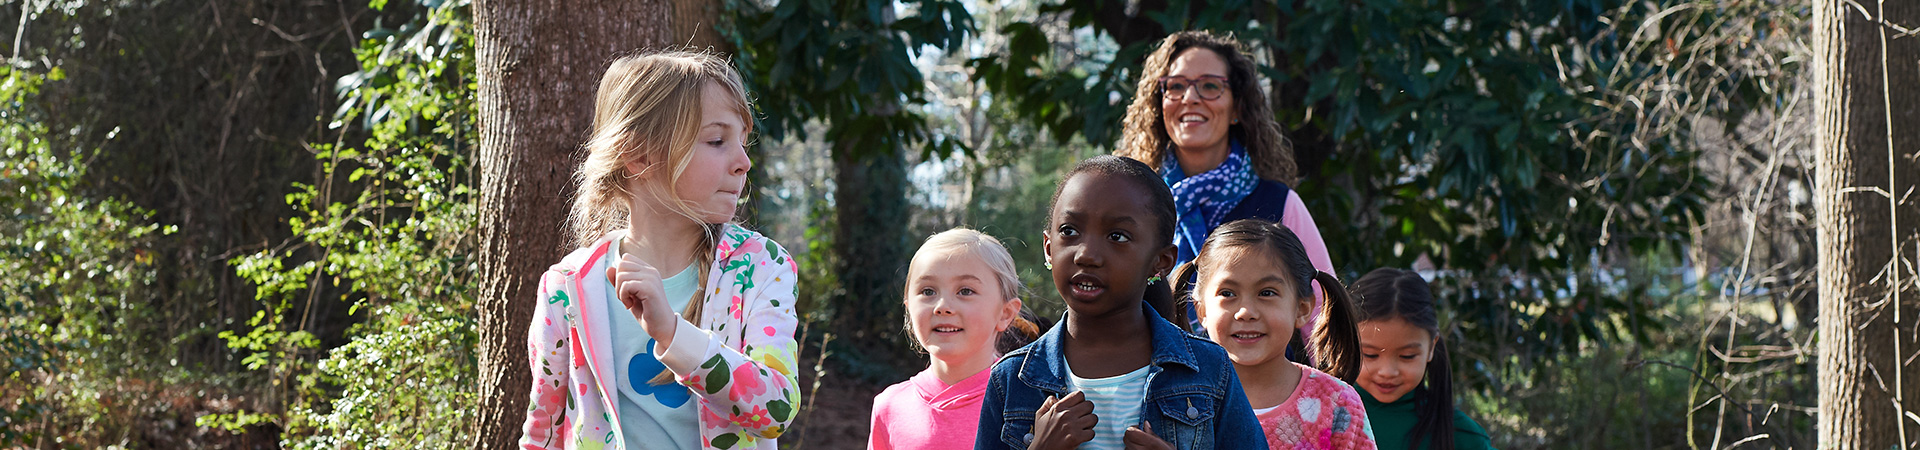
point(642, 368)
point(1309, 410)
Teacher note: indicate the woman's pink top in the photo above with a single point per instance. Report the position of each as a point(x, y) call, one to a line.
point(1296, 218)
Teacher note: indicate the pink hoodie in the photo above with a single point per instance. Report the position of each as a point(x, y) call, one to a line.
point(925, 413)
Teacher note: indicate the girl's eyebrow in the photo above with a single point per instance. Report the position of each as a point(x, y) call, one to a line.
point(1413, 345)
point(1128, 220)
point(1269, 279)
point(718, 124)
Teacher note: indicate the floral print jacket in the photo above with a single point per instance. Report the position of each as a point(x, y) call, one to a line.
point(739, 361)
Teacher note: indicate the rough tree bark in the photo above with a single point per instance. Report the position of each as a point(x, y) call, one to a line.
point(540, 63)
point(693, 22)
point(1865, 140)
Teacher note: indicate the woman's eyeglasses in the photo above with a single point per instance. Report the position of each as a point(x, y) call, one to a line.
point(1176, 88)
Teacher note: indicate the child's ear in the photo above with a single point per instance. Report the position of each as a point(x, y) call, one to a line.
point(636, 168)
point(1009, 310)
point(1305, 309)
point(1163, 263)
point(638, 165)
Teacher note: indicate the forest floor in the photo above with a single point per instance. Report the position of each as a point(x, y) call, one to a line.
point(838, 416)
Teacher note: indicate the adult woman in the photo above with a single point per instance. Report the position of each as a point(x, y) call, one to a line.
point(1199, 118)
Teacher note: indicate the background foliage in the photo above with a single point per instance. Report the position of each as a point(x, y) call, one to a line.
point(231, 219)
point(80, 267)
point(391, 218)
point(1551, 164)
point(1428, 131)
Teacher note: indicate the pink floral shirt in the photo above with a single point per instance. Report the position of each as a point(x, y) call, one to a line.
point(739, 361)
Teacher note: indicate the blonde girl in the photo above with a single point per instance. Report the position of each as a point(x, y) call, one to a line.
point(613, 363)
point(962, 300)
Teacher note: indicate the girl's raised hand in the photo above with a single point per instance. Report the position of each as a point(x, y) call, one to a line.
point(1064, 423)
point(638, 286)
point(1143, 439)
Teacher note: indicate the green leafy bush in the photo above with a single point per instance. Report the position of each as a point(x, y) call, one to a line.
point(390, 219)
point(73, 303)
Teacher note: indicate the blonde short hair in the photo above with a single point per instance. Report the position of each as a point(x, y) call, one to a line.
point(980, 244)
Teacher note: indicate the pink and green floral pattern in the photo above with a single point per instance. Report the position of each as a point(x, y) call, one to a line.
point(744, 350)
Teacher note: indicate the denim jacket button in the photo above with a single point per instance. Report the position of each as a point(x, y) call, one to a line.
point(1029, 438)
point(1192, 412)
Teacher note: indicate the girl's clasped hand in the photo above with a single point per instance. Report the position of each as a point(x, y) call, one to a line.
point(637, 285)
point(1063, 423)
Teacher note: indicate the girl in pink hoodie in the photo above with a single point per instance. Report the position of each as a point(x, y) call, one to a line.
point(962, 297)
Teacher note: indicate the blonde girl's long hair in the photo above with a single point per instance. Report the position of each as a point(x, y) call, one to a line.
point(648, 108)
point(1144, 137)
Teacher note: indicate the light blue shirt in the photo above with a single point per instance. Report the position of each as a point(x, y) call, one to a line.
point(652, 417)
point(1116, 401)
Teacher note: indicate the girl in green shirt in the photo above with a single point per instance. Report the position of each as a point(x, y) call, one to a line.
point(1404, 379)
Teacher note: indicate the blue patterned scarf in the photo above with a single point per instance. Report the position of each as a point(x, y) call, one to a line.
point(1203, 200)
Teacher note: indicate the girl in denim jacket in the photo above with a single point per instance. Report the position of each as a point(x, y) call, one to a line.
point(1114, 374)
point(613, 363)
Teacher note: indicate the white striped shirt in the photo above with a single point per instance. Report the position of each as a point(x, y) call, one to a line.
point(1116, 401)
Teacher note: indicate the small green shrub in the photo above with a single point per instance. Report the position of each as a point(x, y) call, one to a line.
point(73, 305)
point(390, 220)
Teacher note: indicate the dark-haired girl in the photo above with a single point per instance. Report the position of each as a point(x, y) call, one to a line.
point(1113, 374)
point(1252, 292)
point(1404, 377)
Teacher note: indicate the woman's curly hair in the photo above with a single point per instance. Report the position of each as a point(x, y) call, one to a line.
point(1145, 138)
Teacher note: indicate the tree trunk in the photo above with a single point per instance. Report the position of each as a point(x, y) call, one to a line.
point(870, 205)
point(1864, 139)
point(540, 63)
point(872, 216)
point(692, 25)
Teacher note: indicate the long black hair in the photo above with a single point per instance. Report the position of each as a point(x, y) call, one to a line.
point(1335, 347)
point(1388, 293)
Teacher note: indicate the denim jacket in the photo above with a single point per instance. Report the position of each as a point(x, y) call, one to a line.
point(1194, 400)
